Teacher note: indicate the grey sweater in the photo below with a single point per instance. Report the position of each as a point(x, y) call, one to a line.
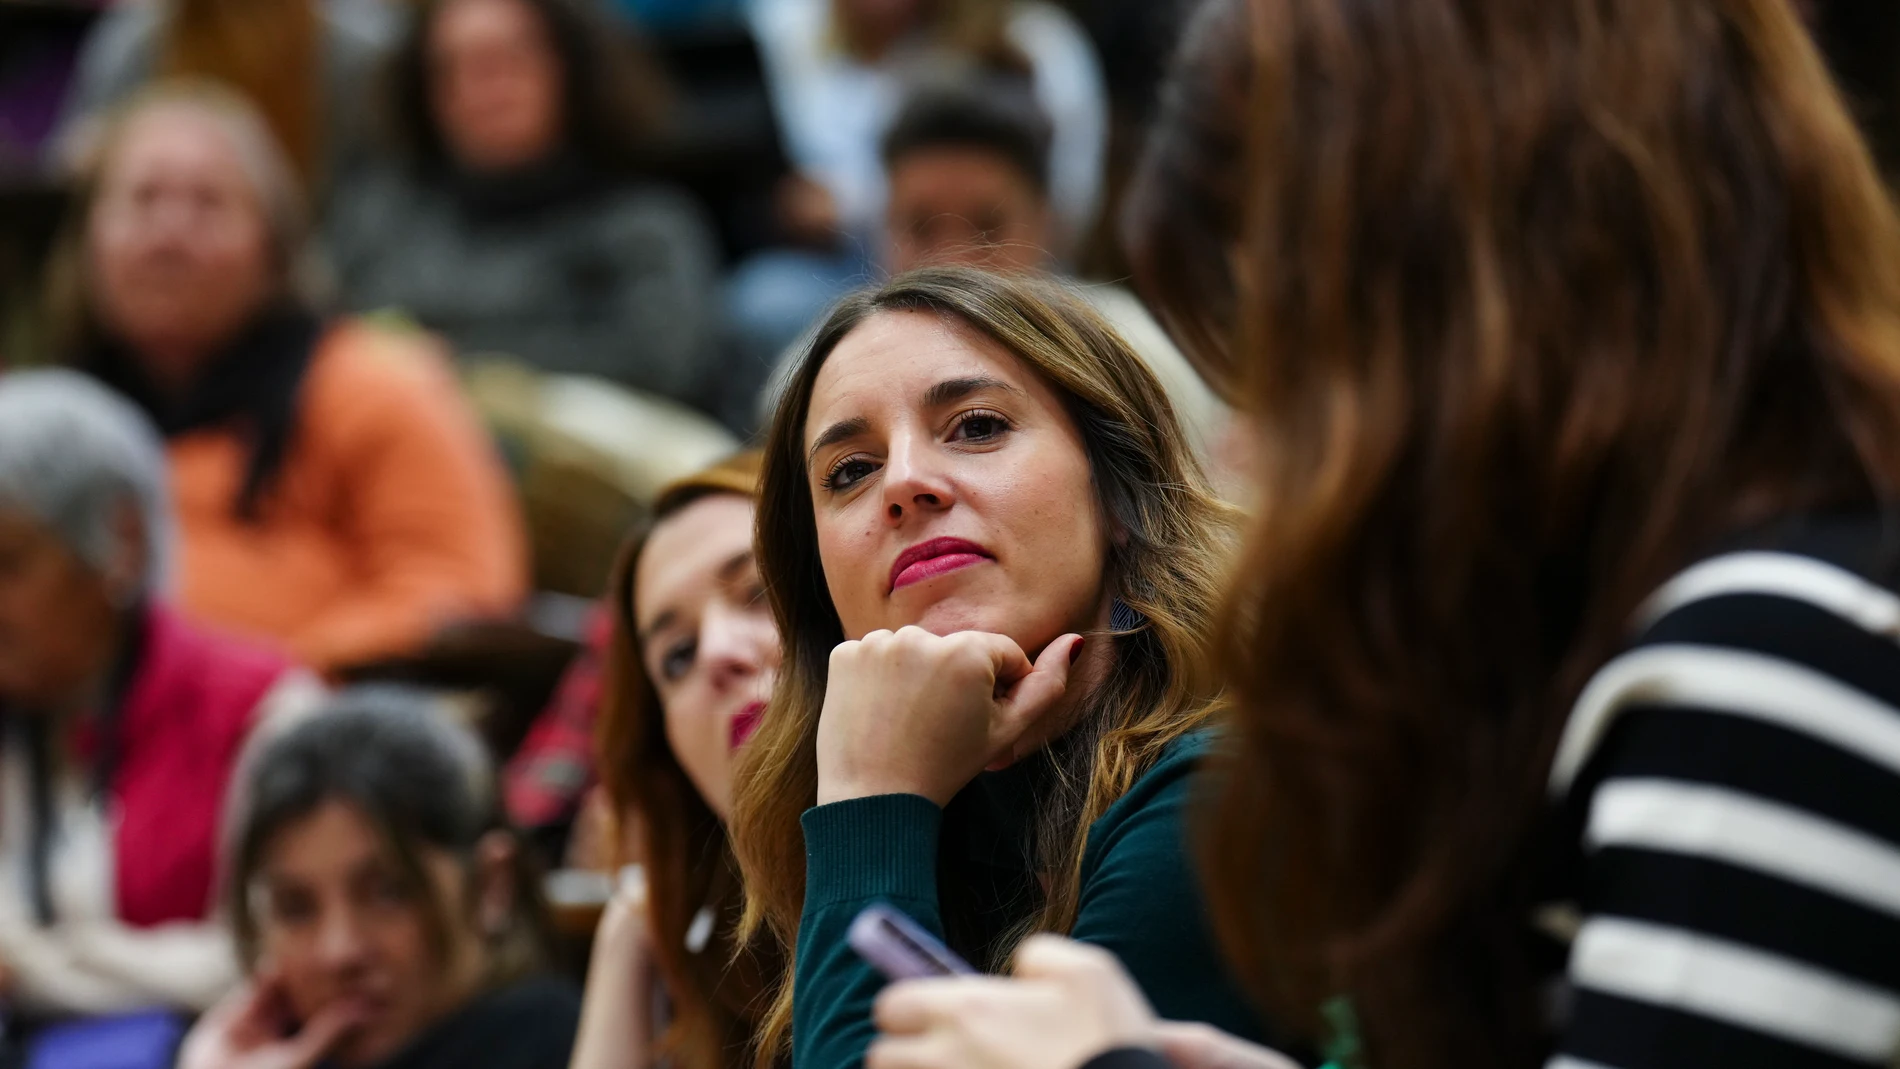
point(619, 283)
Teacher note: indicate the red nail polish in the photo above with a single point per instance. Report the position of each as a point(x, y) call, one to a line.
point(1075, 651)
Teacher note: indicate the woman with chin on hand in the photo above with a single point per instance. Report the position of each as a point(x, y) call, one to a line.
point(992, 558)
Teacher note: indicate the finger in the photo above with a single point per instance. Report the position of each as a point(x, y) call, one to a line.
point(1007, 661)
point(910, 1006)
point(321, 1035)
point(933, 1051)
point(1034, 693)
point(1202, 1046)
point(1051, 957)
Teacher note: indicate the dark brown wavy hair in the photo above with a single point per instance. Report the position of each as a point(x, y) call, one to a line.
point(1529, 301)
point(719, 993)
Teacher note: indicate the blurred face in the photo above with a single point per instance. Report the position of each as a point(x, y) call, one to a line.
point(965, 206)
point(178, 249)
point(340, 922)
point(706, 637)
point(57, 622)
point(495, 82)
point(950, 488)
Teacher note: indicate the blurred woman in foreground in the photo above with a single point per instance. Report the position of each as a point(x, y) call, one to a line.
point(1564, 643)
point(692, 660)
point(333, 491)
point(120, 723)
point(386, 915)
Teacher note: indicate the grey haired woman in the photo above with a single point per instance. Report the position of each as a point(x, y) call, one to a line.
point(120, 723)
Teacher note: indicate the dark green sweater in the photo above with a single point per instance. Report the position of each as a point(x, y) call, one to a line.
point(1139, 897)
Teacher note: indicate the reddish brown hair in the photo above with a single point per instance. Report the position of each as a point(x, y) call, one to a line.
point(1529, 301)
point(271, 51)
point(719, 993)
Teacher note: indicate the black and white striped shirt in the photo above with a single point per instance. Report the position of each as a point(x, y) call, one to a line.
point(1731, 785)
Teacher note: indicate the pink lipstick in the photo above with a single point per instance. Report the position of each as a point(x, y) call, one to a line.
point(744, 725)
point(938, 556)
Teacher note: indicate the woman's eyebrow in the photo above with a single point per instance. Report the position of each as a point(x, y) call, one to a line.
point(734, 566)
point(840, 431)
point(950, 391)
point(660, 623)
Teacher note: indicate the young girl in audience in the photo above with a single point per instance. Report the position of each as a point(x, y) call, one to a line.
point(692, 660)
point(385, 913)
point(992, 559)
point(1564, 645)
point(334, 493)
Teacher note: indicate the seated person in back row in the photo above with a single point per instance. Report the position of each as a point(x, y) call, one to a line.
point(967, 163)
point(512, 220)
point(335, 494)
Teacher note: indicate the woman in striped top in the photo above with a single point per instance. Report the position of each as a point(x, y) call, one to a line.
point(1565, 646)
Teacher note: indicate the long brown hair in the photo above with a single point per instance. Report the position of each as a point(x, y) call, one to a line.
point(718, 993)
point(1531, 302)
point(1164, 563)
point(269, 50)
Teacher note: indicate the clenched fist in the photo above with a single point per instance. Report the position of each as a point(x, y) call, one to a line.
point(909, 712)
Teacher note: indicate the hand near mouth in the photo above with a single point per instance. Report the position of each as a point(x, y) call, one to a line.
point(246, 1031)
point(909, 712)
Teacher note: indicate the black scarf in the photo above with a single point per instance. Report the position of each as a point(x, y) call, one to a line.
point(251, 385)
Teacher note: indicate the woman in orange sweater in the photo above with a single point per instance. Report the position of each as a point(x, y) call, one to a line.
point(334, 492)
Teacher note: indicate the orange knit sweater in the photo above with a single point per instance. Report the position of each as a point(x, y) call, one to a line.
point(392, 515)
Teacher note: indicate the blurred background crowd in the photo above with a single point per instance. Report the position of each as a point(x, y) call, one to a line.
point(500, 269)
point(409, 309)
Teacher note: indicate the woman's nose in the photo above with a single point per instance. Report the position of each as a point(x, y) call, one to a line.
point(736, 645)
point(914, 480)
point(341, 942)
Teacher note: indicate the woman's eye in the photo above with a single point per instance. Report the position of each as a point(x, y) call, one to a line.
point(848, 473)
point(678, 661)
point(290, 910)
point(980, 427)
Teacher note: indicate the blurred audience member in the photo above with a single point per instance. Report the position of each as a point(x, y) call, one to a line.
point(967, 164)
point(512, 221)
point(120, 723)
point(694, 655)
point(302, 63)
point(334, 491)
point(841, 68)
point(839, 71)
point(386, 915)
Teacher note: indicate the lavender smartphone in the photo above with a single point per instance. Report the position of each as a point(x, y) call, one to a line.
point(899, 948)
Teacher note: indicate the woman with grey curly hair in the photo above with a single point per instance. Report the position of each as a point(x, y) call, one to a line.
point(120, 723)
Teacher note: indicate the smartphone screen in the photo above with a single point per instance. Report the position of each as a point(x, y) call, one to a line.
point(900, 948)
